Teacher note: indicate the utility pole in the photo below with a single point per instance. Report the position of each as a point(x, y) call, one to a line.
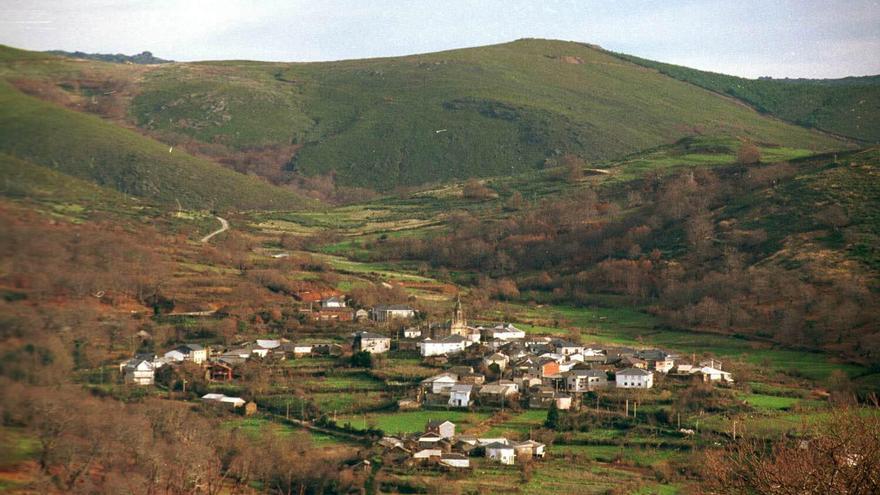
point(679, 421)
point(734, 430)
point(287, 414)
point(626, 411)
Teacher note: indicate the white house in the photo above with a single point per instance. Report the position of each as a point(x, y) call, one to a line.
point(302, 349)
point(385, 313)
point(188, 352)
point(371, 342)
point(501, 452)
point(425, 454)
point(222, 399)
point(333, 302)
point(455, 461)
point(714, 375)
point(529, 448)
point(412, 333)
point(460, 395)
point(440, 384)
point(634, 378)
point(448, 345)
point(503, 331)
point(446, 429)
point(139, 372)
point(566, 348)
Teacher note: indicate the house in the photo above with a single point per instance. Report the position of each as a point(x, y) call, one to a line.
point(302, 350)
point(218, 371)
point(371, 342)
point(632, 362)
point(446, 429)
point(451, 344)
point(188, 352)
point(460, 395)
point(429, 440)
point(565, 347)
point(426, 454)
point(563, 401)
point(547, 367)
point(580, 381)
point(229, 402)
point(529, 449)
point(634, 378)
point(503, 331)
point(497, 359)
point(361, 314)
point(453, 460)
point(334, 302)
point(389, 312)
point(138, 372)
point(440, 384)
point(501, 452)
point(412, 333)
point(495, 393)
point(710, 374)
point(657, 360)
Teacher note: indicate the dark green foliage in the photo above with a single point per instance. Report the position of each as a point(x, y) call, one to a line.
point(552, 421)
point(362, 359)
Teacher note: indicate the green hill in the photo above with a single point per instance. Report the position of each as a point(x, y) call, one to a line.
point(381, 123)
point(89, 148)
point(473, 112)
point(849, 106)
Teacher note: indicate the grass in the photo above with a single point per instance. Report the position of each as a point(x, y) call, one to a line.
point(90, 149)
point(844, 106)
point(413, 421)
point(769, 402)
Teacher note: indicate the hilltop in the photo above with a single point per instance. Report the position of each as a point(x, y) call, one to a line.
point(144, 57)
point(404, 121)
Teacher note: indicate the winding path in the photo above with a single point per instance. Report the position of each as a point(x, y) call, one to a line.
point(224, 226)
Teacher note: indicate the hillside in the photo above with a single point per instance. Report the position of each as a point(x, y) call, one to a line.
point(86, 147)
point(423, 118)
point(382, 123)
point(849, 106)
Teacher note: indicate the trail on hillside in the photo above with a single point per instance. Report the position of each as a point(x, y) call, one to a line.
point(224, 226)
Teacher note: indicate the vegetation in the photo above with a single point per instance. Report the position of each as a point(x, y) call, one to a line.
point(845, 106)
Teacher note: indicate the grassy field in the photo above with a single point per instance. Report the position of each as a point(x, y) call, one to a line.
point(413, 421)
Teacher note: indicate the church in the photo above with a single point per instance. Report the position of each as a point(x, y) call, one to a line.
point(456, 326)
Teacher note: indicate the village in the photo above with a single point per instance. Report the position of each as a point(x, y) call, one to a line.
point(480, 367)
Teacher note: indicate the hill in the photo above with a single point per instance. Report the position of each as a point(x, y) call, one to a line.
point(382, 123)
point(91, 149)
point(473, 112)
point(849, 106)
point(118, 58)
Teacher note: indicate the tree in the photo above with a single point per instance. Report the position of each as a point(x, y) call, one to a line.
point(552, 421)
point(748, 154)
point(840, 456)
point(362, 359)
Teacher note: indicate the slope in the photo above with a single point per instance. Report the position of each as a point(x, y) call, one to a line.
point(848, 106)
point(472, 112)
point(86, 147)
